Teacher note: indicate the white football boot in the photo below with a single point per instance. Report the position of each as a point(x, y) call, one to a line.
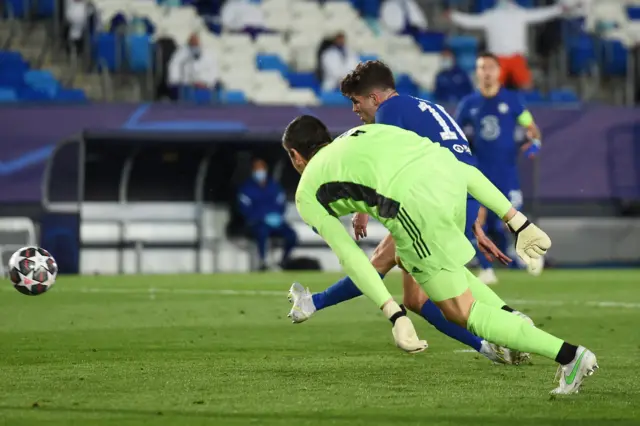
point(303, 306)
point(573, 374)
point(518, 357)
point(488, 276)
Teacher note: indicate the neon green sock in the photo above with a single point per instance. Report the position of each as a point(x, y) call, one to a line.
point(506, 329)
point(485, 192)
point(483, 292)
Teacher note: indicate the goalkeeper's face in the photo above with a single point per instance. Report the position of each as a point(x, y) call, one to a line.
point(366, 107)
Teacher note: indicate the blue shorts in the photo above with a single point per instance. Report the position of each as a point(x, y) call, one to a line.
point(472, 214)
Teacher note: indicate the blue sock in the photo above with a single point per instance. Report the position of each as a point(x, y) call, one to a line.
point(433, 314)
point(339, 292)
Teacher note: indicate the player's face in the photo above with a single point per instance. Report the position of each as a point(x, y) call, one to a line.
point(365, 107)
point(297, 161)
point(488, 71)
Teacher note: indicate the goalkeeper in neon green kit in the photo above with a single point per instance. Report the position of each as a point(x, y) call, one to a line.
point(418, 191)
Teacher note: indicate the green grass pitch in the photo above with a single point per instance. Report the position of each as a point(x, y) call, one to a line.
point(219, 350)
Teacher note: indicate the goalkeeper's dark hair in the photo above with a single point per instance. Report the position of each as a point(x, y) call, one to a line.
point(366, 77)
point(306, 134)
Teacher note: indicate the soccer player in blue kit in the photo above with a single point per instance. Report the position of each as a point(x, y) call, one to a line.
point(491, 117)
point(371, 88)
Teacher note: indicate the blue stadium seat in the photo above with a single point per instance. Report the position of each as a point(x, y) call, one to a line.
point(526, 3)
point(368, 8)
point(203, 96)
point(467, 61)
point(11, 78)
point(233, 97)
point(107, 51)
point(71, 95)
point(582, 54)
point(334, 98)
point(7, 95)
point(20, 8)
point(463, 44)
point(633, 12)
point(365, 58)
point(267, 61)
point(614, 58)
point(532, 97)
point(30, 94)
point(432, 41)
point(45, 8)
point(563, 96)
point(138, 52)
point(405, 85)
point(303, 80)
point(482, 5)
point(38, 77)
point(426, 95)
point(10, 57)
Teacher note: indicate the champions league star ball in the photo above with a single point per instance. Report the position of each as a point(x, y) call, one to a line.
point(32, 270)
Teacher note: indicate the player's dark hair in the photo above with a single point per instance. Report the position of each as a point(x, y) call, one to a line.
point(306, 134)
point(489, 55)
point(366, 77)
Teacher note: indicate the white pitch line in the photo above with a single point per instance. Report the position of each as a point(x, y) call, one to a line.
point(229, 292)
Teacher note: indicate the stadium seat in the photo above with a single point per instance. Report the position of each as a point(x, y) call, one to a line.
point(30, 94)
point(270, 62)
point(614, 58)
point(9, 57)
point(369, 8)
point(38, 78)
point(563, 96)
point(633, 12)
point(71, 95)
point(7, 95)
point(303, 80)
point(18, 8)
point(482, 5)
point(432, 41)
point(333, 98)
point(582, 54)
point(108, 51)
point(138, 52)
point(233, 97)
point(463, 44)
point(426, 95)
point(405, 85)
point(365, 58)
point(45, 8)
point(532, 97)
point(11, 78)
point(467, 61)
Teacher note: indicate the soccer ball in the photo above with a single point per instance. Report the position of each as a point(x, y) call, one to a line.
point(32, 270)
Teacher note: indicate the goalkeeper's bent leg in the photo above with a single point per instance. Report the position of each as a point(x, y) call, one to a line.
point(492, 323)
point(501, 327)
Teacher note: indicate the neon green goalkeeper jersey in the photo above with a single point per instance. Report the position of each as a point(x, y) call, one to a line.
point(390, 174)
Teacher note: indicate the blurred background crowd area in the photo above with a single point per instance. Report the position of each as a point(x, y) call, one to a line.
point(294, 52)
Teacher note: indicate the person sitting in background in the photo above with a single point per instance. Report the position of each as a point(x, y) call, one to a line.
point(335, 61)
point(242, 15)
point(262, 203)
point(402, 17)
point(190, 66)
point(452, 82)
point(506, 27)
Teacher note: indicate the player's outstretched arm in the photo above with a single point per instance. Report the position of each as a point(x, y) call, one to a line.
point(531, 241)
point(357, 266)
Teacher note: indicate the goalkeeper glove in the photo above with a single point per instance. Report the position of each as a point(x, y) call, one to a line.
point(531, 241)
point(403, 331)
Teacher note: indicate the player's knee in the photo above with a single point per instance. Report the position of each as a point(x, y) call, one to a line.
point(458, 309)
point(414, 301)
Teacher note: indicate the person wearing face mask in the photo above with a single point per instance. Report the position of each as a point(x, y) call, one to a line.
point(452, 82)
point(505, 26)
point(262, 203)
point(191, 66)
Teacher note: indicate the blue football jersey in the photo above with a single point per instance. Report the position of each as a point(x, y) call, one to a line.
point(428, 120)
point(494, 125)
